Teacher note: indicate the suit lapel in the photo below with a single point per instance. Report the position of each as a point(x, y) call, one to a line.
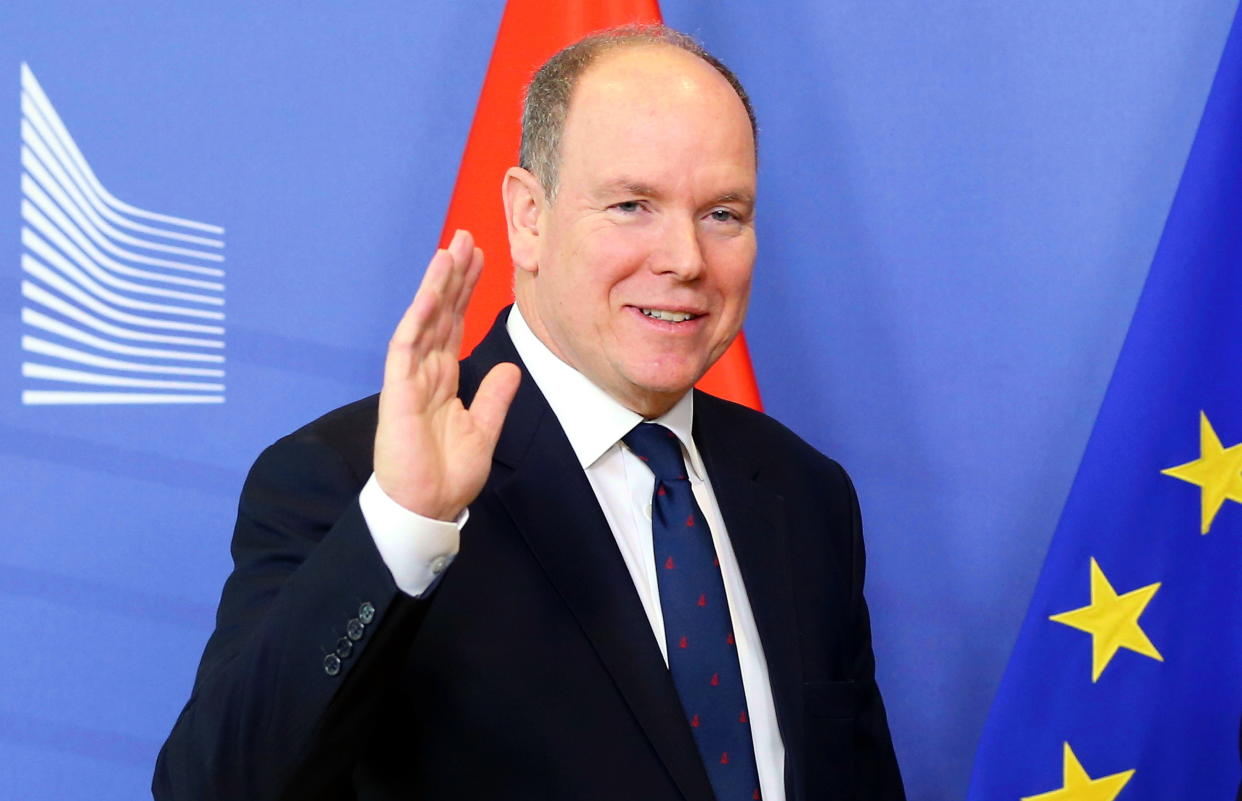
point(755, 518)
point(552, 505)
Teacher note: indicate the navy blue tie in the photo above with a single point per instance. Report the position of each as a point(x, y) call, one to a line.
point(702, 655)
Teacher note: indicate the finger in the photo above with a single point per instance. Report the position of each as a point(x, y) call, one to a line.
point(445, 280)
point(491, 402)
point(460, 246)
point(426, 299)
point(437, 274)
point(460, 249)
point(407, 348)
point(469, 281)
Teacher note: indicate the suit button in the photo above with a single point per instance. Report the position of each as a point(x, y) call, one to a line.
point(354, 629)
point(438, 564)
point(331, 664)
point(366, 612)
point(344, 647)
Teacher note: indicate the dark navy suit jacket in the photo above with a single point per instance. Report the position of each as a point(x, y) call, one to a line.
point(530, 671)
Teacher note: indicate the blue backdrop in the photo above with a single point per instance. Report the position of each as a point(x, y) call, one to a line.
point(959, 204)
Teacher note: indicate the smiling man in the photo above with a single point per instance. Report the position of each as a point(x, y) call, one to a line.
point(555, 571)
point(648, 232)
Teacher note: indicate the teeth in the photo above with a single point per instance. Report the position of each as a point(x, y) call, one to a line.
point(668, 316)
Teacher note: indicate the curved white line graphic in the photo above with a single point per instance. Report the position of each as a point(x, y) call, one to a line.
point(38, 270)
point(31, 85)
point(33, 397)
point(86, 276)
point(39, 127)
point(41, 202)
point(99, 231)
point(31, 112)
point(45, 348)
point(38, 294)
point(81, 279)
point(48, 213)
point(36, 370)
point(45, 323)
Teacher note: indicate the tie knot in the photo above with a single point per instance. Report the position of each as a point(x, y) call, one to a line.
point(658, 447)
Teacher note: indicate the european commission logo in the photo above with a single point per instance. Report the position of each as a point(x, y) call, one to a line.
point(120, 305)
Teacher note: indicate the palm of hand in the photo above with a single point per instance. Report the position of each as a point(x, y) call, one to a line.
point(432, 454)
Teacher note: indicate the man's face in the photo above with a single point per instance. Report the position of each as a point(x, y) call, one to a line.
point(645, 256)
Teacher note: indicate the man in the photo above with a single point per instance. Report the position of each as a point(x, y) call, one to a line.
point(522, 590)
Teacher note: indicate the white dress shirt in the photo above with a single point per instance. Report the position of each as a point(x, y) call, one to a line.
point(417, 549)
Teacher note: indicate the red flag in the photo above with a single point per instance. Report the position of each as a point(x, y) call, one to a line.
point(530, 32)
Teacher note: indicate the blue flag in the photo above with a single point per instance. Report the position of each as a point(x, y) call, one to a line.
point(1126, 679)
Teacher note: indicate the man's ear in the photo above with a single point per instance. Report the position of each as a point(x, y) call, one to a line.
point(524, 201)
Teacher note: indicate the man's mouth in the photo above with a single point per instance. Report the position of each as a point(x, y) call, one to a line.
point(668, 316)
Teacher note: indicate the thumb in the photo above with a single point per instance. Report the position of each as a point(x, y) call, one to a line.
point(491, 402)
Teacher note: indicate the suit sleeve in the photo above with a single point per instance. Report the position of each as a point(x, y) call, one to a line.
point(297, 656)
point(877, 775)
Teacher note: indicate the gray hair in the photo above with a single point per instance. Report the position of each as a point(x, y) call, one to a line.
point(547, 96)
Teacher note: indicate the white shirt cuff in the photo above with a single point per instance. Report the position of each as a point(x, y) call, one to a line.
point(416, 549)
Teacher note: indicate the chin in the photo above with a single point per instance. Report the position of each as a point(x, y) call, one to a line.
point(665, 384)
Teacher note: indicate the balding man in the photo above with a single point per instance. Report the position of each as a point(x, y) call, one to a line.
point(555, 571)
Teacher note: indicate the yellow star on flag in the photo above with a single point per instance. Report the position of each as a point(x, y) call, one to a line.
point(1076, 785)
point(1111, 620)
point(1217, 471)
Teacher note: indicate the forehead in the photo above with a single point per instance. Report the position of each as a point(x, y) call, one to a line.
point(656, 104)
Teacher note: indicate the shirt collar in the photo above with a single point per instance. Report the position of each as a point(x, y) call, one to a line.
point(592, 419)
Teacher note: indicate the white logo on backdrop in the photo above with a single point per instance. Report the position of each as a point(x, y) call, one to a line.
point(120, 304)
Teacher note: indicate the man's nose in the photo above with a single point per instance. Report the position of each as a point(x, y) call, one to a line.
point(680, 252)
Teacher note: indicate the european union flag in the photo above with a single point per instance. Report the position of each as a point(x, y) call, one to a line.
point(1126, 680)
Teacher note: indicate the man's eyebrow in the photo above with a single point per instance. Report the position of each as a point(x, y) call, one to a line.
point(736, 197)
point(626, 186)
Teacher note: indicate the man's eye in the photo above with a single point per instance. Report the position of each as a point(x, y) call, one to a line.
point(627, 206)
point(722, 215)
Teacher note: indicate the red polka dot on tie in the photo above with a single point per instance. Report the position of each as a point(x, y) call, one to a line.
point(729, 639)
point(668, 564)
point(690, 520)
point(724, 758)
point(661, 491)
point(742, 717)
point(694, 721)
point(716, 562)
point(756, 795)
point(703, 600)
point(715, 682)
point(682, 642)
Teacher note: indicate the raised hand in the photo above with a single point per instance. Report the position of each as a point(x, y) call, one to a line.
point(432, 454)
